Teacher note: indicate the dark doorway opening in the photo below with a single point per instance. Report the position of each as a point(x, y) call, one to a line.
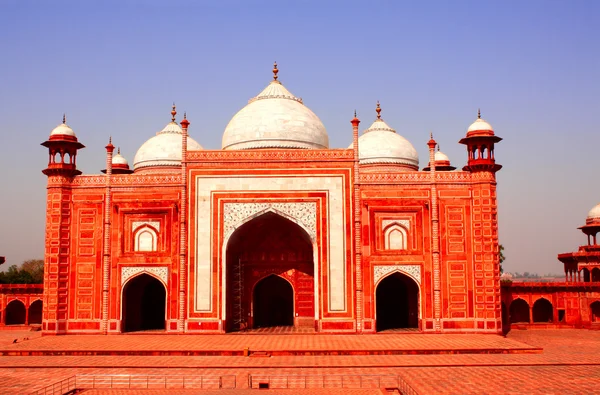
point(15, 313)
point(273, 302)
point(519, 311)
point(595, 275)
point(143, 304)
point(542, 311)
point(397, 301)
point(595, 307)
point(35, 312)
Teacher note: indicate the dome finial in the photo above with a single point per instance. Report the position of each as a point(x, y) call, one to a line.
point(64, 119)
point(479, 113)
point(354, 113)
point(109, 139)
point(119, 150)
point(275, 71)
point(378, 109)
point(184, 115)
point(173, 113)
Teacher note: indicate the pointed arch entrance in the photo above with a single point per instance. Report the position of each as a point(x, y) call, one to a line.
point(273, 302)
point(397, 302)
point(144, 304)
point(269, 265)
point(15, 313)
point(35, 312)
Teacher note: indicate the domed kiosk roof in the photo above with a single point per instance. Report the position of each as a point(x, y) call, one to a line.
point(63, 129)
point(381, 144)
point(164, 149)
point(275, 119)
point(594, 213)
point(480, 127)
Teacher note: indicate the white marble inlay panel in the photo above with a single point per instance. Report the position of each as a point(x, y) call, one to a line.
point(380, 271)
point(137, 224)
point(235, 214)
point(402, 222)
point(333, 184)
point(127, 272)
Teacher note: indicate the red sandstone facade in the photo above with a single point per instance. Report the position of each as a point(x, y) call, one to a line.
point(20, 305)
point(232, 239)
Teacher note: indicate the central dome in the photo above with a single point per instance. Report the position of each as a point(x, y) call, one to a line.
point(275, 119)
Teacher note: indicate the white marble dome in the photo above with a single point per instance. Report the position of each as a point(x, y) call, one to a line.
point(119, 159)
point(275, 119)
point(164, 149)
point(63, 129)
point(381, 144)
point(594, 213)
point(441, 157)
point(480, 125)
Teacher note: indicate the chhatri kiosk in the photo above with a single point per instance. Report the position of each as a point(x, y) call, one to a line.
point(274, 229)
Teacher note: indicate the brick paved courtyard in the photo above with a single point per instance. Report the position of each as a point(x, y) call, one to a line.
point(569, 364)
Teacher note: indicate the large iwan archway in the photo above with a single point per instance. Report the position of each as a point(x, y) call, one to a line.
point(144, 304)
point(397, 302)
point(273, 303)
point(269, 275)
point(519, 311)
point(35, 312)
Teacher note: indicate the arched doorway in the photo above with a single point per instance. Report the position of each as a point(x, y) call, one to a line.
point(397, 302)
point(269, 255)
point(273, 302)
point(586, 275)
point(15, 313)
point(519, 311)
point(542, 311)
point(35, 312)
point(595, 275)
point(143, 304)
point(595, 311)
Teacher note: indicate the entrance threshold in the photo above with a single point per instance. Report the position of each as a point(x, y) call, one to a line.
point(276, 330)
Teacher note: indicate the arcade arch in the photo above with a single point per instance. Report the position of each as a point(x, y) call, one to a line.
point(35, 312)
point(542, 311)
point(595, 311)
point(15, 313)
point(143, 304)
point(519, 311)
point(261, 256)
point(396, 302)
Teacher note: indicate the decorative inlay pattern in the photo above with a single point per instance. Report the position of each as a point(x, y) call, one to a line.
point(401, 222)
point(265, 155)
point(137, 224)
point(380, 271)
point(234, 214)
point(161, 272)
point(129, 179)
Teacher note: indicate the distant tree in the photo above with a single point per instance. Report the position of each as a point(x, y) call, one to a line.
point(35, 267)
point(31, 272)
point(501, 257)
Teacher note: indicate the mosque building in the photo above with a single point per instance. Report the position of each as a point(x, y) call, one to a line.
point(275, 229)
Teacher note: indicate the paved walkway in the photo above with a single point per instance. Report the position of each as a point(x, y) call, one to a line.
point(569, 364)
point(293, 344)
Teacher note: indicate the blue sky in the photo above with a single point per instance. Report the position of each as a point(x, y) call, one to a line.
point(116, 67)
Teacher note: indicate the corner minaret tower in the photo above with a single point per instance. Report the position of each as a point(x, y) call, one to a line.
point(62, 168)
point(480, 142)
point(62, 148)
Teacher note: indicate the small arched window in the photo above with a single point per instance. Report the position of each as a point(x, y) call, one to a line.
point(145, 239)
point(395, 237)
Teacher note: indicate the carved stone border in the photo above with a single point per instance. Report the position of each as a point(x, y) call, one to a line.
point(137, 224)
point(161, 272)
point(413, 271)
point(304, 213)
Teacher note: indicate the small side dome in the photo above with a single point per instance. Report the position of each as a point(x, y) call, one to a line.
point(119, 164)
point(593, 215)
point(275, 119)
point(480, 127)
point(63, 129)
point(164, 149)
point(380, 144)
point(442, 162)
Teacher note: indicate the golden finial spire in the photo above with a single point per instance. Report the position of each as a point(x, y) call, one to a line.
point(354, 113)
point(64, 119)
point(173, 113)
point(378, 109)
point(184, 115)
point(109, 139)
point(478, 113)
point(275, 71)
point(438, 148)
point(118, 150)
point(431, 135)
